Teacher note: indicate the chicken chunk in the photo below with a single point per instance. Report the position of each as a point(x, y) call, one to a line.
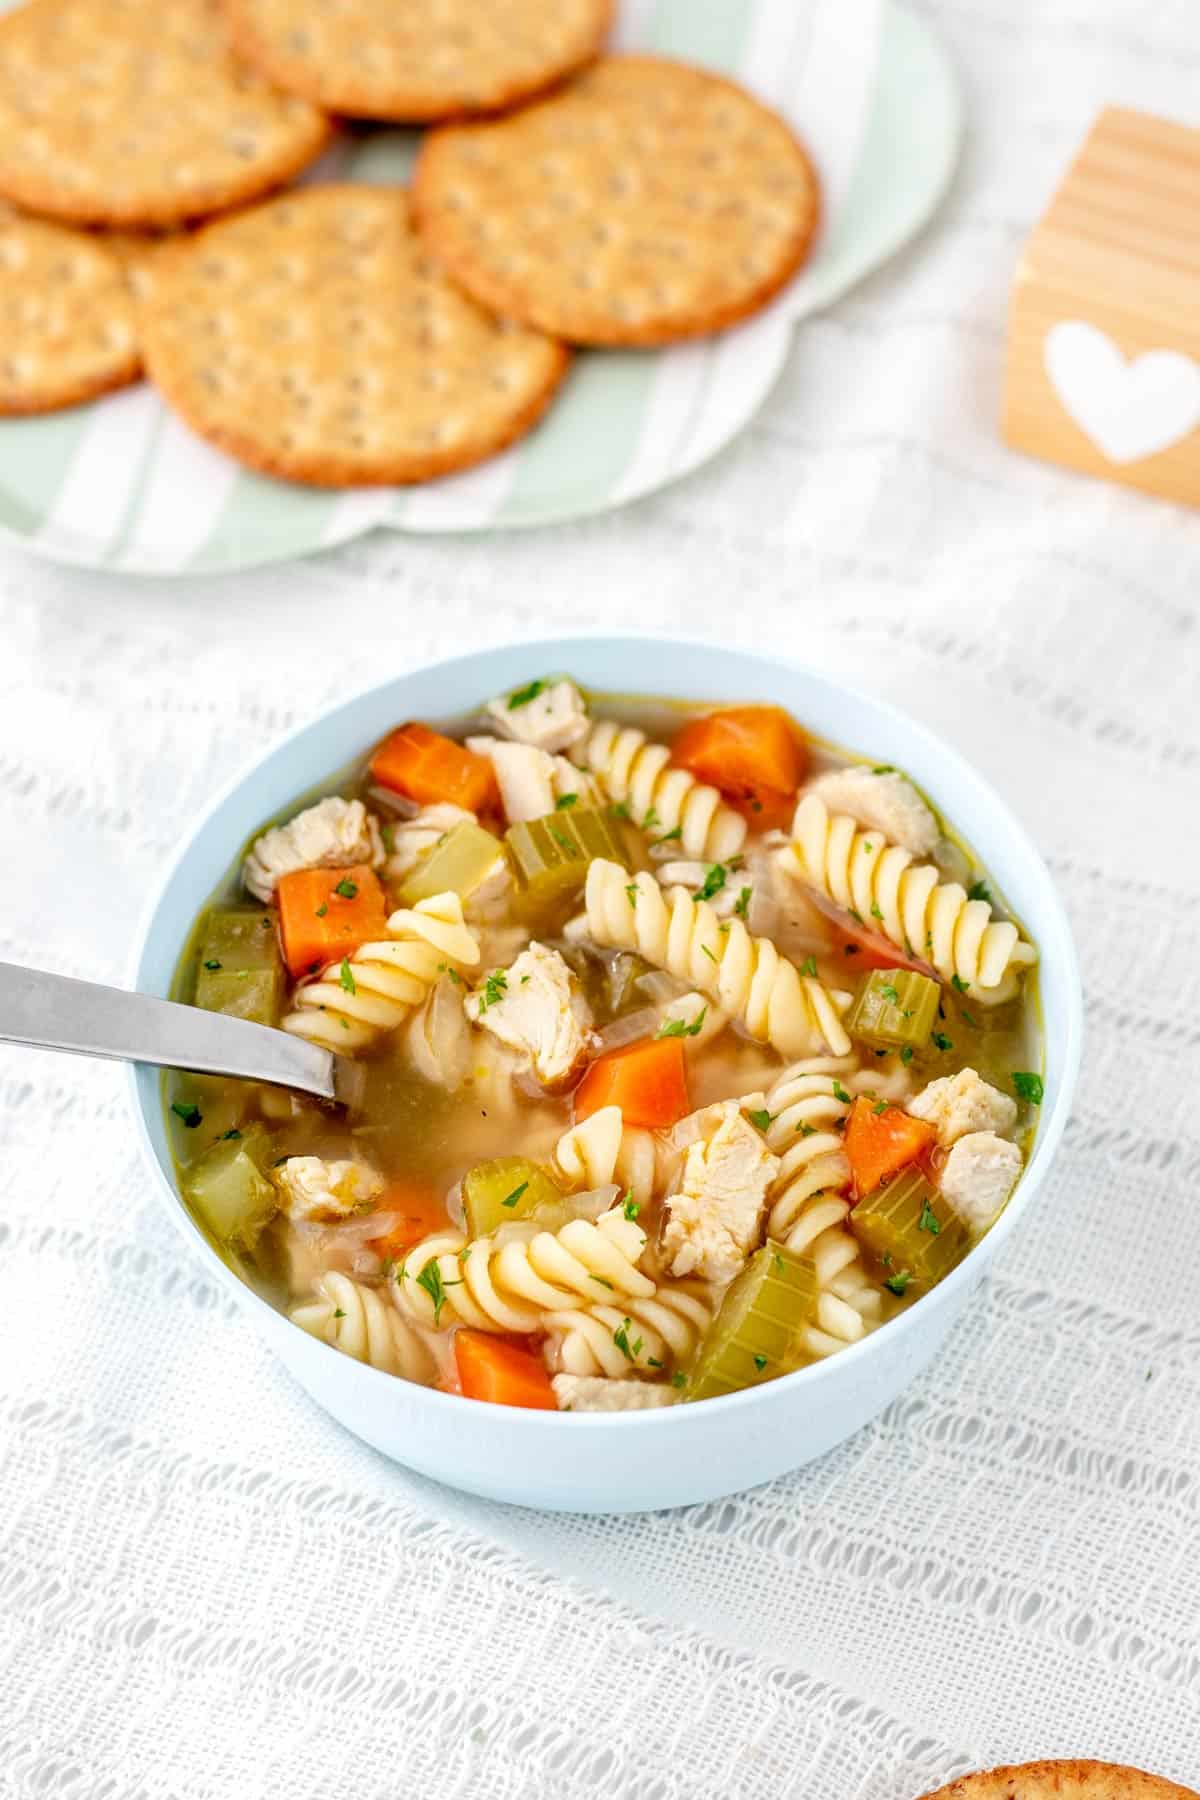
point(980, 1173)
point(713, 1219)
point(411, 838)
point(311, 1188)
point(531, 781)
point(958, 1104)
point(884, 801)
point(333, 834)
point(600, 1393)
point(536, 1007)
point(550, 715)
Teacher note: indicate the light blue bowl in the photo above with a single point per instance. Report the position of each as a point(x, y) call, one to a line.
point(595, 1462)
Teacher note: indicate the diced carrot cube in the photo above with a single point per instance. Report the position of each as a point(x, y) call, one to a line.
point(430, 768)
point(647, 1080)
point(325, 914)
point(878, 1144)
point(489, 1368)
point(754, 755)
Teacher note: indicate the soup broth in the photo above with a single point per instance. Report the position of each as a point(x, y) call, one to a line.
point(694, 1049)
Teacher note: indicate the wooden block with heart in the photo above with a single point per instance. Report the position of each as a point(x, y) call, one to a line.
point(1104, 328)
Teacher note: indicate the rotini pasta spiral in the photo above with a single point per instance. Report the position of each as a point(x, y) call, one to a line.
point(509, 1282)
point(927, 917)
point(744, 975)
point(808, 1200)
point(638, 773)
point(605, 1149)
point(385, 980)
point(660, 1332)
point(362, 1323)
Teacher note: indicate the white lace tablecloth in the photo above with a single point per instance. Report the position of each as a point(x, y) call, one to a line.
point(206, 1588)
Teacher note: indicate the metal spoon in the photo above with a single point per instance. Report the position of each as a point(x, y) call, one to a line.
point(53, 1012)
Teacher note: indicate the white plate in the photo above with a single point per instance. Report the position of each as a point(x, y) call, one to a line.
point(122, 484)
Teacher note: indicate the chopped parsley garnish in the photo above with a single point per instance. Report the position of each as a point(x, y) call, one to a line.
point(445, 969)
point(564, 801)
point(742, 904)
point(669, 837)
point(906, 1055)
point(678, 1379)
point(621, 1340)
point(979, 890)
point(322, 909)
point(522, 696)
point(805, 1129)
point(1028, 1087)
point(928, 1220)
point(855, 914)
point(760, 1118)
point(941, 1041)
point(654, 1362)
point(809, 966)
point(839, 1092)
point(631, 889)
point(883, 769)
point(604, 1282)
point(430, 1279)
point(188, 1111)
point(709, 954)
point(875, 912)
point(512, 1198)
point(969, 1018)
point(651, 820)
point(346, 977)
point(898, 1283)
point(346, 888)
point(629, 1206)
point(880, 1106)
point(959, 985)
point(338, 1313)
point(714, 881)
point(562, 840)
point(777, 1262)
point(760, 1362)
point(493, 989)
point(387, 837)
point(890, 992)
point(618, 810)
point(212, 963)
point(680, 1027)
point(233, 1132)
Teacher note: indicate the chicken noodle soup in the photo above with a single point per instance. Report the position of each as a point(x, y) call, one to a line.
point(693, 1049)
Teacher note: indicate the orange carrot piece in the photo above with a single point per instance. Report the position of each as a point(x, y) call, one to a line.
point(491, 1369)
point(325, 914)
point(877, 1144)
point(753, 754)
point(429, 768)
point(647, 1080)
point(422, 1211)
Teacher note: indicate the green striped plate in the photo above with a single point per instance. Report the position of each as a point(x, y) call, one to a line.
point(122, 484)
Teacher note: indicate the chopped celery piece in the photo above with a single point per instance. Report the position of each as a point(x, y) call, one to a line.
point(463, 859)
point(511, 1187)
point(228, 1189)
point(551, 855)
point(754, 1334)
point(240, 970)
point(912, 1233)
point(894, 1008)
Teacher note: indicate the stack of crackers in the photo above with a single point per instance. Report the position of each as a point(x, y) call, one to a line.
point(345, 334)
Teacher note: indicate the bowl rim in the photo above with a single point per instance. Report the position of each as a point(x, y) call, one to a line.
point(974, 1265)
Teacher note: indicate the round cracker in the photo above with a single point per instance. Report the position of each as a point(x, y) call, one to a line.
point(67, 323)
point(315, 338)
point(1070, 1780)
point(415, 60)
point(643, 203)
point(122, 112)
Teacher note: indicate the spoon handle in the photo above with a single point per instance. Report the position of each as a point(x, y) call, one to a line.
point(54, 1012)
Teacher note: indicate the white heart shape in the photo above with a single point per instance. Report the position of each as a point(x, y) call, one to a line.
point(1127, 409)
